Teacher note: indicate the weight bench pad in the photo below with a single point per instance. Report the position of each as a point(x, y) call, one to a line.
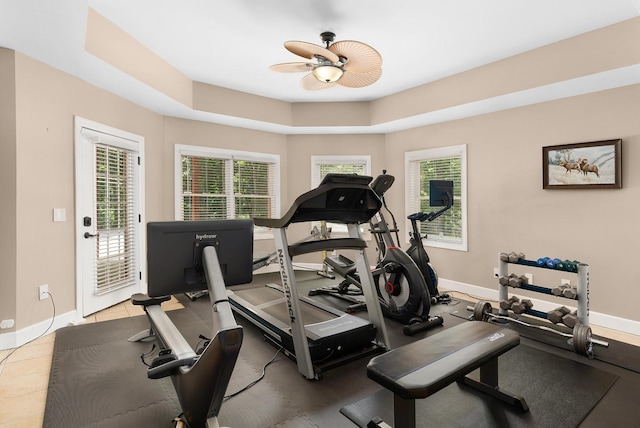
point(422, 368)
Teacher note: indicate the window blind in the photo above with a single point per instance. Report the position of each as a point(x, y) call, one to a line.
point(227, 188)
point(116, 219)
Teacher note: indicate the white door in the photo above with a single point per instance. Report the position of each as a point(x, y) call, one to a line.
point(109, 266)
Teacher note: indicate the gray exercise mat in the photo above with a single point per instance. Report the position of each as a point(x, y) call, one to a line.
point(560, 393)
point(98, 380)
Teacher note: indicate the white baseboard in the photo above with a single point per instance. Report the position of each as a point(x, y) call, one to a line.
point(595, 318)
point(20, 337)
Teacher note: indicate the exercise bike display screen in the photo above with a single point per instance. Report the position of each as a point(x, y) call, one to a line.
point(174, 254)
point(440, 193)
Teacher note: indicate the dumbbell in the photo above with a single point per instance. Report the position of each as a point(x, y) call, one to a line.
point(570, 320)
point(559, 290)
point(521, 306)
point(555, 263)
point(542, 261)
point(507, 304)
point(513, 280)
point(565, 290)
point(514, 257)
point(570, 292)
point(571, 265)
point(555, 316)
point(511, 257)
point(504, 280)
point(516, 281)
point(509, 280)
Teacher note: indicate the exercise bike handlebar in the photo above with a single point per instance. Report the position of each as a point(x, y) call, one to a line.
point(420, 216)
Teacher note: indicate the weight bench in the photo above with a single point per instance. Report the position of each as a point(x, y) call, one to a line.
point(422, 368)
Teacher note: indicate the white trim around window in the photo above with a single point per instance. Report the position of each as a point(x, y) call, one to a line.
point(209, 152)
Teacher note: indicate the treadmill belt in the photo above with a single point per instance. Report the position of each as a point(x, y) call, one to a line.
point(273, 303)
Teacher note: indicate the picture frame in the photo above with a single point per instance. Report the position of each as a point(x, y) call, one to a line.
point(591, 165)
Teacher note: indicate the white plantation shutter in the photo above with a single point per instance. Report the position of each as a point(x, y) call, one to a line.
point(116, 218)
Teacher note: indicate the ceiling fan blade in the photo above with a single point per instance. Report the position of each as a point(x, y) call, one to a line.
point(359, 80)
point(310, 83)
point(361, 57)
point(292, 67)
point(309, 50)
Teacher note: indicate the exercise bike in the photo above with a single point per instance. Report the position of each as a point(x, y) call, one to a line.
point(440, 194)
point(402, 290)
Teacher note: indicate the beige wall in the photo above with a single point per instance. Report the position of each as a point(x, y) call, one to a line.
point(507, 208)
point(7, 186)
point(46, 102)
point(509, 211)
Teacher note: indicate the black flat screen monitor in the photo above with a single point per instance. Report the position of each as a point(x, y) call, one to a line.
point(440, 193)
point(174, 254)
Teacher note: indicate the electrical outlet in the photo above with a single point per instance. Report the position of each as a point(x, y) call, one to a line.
point(7, 323)
point(565, 282)
point(43, 291)
point(496, 272)
point(529, 277)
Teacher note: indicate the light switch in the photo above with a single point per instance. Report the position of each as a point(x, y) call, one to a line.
point(59, 214)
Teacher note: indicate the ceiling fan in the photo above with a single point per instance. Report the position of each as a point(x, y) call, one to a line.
point(346, 63)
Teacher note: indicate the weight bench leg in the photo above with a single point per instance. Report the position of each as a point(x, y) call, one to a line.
point(404, 412)
point(488, 384)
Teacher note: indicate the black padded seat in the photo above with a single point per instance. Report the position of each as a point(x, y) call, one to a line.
point(145, 300)
point(424, 367)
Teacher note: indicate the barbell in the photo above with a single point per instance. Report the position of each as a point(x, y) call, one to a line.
point(581, 339)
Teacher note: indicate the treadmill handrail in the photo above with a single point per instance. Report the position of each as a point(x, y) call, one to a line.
point(348, 200)
point(326, 245)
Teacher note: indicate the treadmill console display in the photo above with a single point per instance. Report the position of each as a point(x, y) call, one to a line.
point(174, 254)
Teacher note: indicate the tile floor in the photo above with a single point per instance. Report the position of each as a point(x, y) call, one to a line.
point(24, 376)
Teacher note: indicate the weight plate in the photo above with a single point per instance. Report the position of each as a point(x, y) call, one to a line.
point(582, 339)
point(482, 310)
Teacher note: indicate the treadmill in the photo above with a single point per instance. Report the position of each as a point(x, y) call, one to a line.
point(317, 336)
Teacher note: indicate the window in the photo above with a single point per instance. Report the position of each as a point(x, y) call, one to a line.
point(323, 165)
point(225, 184)
point(447, 163)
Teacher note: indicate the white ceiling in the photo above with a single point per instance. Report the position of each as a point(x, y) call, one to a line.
point(231, 43)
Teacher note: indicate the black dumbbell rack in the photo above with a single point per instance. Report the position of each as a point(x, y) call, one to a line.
point(582, 297)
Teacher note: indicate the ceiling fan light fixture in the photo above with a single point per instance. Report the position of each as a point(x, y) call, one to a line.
point(328, 73)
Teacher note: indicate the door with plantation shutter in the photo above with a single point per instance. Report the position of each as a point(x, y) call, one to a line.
point(108, 186)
